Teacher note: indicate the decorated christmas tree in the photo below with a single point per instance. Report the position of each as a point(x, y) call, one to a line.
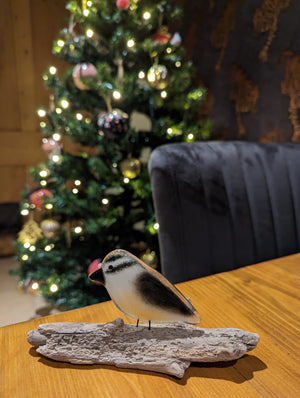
point(127, 90)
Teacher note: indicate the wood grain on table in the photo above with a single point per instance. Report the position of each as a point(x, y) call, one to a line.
point(262, 298)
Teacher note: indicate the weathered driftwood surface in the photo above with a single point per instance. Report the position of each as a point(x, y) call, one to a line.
point(168, 348)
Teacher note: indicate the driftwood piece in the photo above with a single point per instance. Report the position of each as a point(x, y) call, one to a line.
point(168, 348)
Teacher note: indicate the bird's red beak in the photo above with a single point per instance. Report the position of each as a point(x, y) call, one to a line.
point(97, 276)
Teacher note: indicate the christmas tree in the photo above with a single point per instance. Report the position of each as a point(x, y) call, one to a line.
point(127, 90)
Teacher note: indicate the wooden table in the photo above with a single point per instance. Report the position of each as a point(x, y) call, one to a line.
point(262, 298)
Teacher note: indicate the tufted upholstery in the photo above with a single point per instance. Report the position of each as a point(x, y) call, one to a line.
point(223, 205)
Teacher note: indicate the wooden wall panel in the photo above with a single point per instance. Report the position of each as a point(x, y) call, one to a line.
point(12, 182)
point(27, 31)
point(49, 18)
point(9, 103)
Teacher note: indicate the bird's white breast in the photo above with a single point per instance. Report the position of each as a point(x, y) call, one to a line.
point(122, 289)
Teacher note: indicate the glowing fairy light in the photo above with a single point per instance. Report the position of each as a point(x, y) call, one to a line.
point(77, 182)
point(43, 173)
point(77, 230)
point(43, 125)
point(79, 116)
point(24, 212)
point(25, 257)
point(27, 245)
point(60, 43)
point(86, 13)
point(170, 131)
point(64, 103)
point(163, 94)
point(116, 95)
point(34, 286)
point(105, 201)
point(49, 206)
point(168, 50)
point(55, 158)
point(52, 70)
point(146, 15)
point(75, 191)
point(89, 3)
point(126, 180)
point(141, 75)
point(41, 112)
point(89, 33)
point(156, 226)
point(32, 248)
point(48, 248)
point(58, 111)
point(53, 288)
point(43, 183)
point(178, 64)
point(56, 137)
point(130, 43)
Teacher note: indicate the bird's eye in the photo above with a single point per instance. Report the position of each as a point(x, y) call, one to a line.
point(110, 267)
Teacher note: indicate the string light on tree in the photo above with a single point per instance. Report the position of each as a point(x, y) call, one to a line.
point(78, 230)
point(146, 15)
point(24, 212)
point(64, 103)
point(56, 136)
point(41, 112)
point(190, 137)
point(163, 94)
point(34, 286)
point(130, 43)
point(116, 95)
point(89, 33)
point(54, 288)
point(48, 248)
point(60, 43)
point(52, 70)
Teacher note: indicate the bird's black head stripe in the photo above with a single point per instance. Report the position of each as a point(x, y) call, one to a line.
point(111, 267)
point(115, 257)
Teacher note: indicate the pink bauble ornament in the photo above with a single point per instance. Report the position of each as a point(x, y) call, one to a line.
point(84, 70)
point(37, 196)
point(123, 4)
point(93, 267)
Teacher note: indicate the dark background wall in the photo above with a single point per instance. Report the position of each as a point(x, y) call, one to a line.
point(247, 54)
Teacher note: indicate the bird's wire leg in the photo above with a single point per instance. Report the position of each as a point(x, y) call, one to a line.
point(137, 322)
point(149, 327)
